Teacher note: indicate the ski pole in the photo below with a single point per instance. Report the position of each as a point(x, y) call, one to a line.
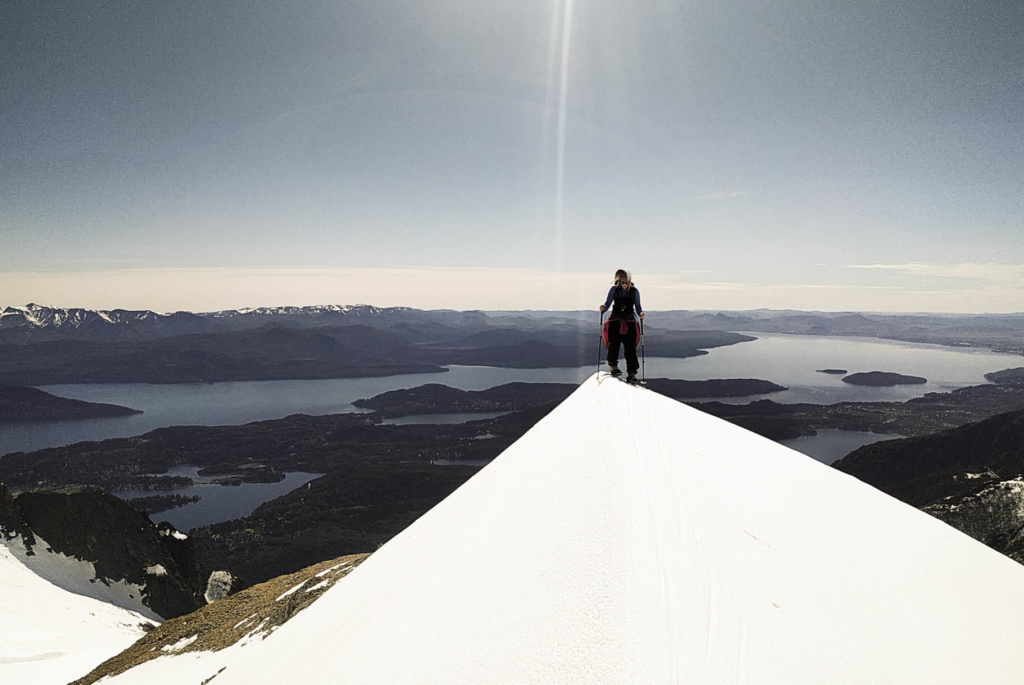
point(600, 342)
point(643, 356)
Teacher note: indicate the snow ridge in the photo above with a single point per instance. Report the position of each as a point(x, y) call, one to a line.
point(630, 538)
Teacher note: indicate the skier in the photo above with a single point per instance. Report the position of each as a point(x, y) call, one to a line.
point(622, 327)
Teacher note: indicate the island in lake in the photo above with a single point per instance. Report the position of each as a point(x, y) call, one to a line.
point(834, 372)
point(31, 405)
point(434, 398)
point(155, 504)
point(882, 379)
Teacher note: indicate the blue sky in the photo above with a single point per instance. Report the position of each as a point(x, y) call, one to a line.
point(471, 153)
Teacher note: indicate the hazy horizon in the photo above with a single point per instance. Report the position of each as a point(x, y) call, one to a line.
point(475, 155)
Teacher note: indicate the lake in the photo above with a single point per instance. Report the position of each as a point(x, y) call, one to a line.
point(789, 360)
point(829, 444)
point(218, 502)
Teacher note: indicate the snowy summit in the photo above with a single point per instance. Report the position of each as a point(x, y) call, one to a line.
point(628, 538)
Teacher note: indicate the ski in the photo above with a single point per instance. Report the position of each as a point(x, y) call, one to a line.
point(636, 382)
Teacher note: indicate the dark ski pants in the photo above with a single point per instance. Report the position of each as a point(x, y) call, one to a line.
point(627, 340)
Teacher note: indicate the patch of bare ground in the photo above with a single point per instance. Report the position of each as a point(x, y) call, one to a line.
point(250, 614)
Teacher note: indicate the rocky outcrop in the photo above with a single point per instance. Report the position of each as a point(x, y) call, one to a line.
point(11, 524)
point(251, 613)
point(993, 514)
point(975, 501)
point(114, 543)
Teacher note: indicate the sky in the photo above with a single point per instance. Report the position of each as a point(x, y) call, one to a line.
point(732, 154)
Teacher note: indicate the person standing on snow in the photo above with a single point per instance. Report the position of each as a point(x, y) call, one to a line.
point(622, 327)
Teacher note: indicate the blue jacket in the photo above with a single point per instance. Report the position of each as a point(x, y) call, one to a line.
point(624, 295)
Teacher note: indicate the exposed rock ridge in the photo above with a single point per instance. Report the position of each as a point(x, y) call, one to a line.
point(251, 614)
point(993, 515)
point(120, 543)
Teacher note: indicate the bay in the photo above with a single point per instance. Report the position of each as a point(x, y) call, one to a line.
point(830, 445)
point(790, 360)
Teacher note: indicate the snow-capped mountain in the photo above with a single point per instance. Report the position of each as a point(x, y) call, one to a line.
point(37, 323)
point(357, 309)
point(630, 538)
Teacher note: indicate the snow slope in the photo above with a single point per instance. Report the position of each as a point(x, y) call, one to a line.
point(49, 636)
point(628, 538)
point(79, 577)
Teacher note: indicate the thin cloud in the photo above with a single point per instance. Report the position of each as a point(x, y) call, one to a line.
point(723, 194)
point(992, 272)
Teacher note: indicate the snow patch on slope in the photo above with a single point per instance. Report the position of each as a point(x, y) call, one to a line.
point(79, 576)
point(51, 636)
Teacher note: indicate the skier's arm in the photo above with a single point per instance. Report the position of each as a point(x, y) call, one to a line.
point(608, 300)
point(636, 301)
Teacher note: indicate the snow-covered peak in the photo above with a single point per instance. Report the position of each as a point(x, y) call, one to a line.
point(58, 317)
point(313, 310)
point(630, 538)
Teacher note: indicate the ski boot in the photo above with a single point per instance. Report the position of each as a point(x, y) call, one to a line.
point(631, 379)
point(614, 370)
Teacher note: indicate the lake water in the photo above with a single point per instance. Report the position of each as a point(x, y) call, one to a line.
point(789, 360)
point(830, 445)
point(219, 502)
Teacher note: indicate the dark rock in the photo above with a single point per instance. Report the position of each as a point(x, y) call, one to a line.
point(993, 513)
point(12, 524)
point(948, 484)
point(120, 542)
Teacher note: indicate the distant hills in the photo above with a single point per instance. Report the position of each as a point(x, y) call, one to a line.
point(996, 443)
point(41, 345)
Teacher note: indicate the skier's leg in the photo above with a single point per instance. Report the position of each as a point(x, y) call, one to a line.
point(632, 363)
point(614, 340)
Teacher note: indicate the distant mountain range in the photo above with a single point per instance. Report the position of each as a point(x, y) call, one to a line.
point(41, 345)
point(36, 323)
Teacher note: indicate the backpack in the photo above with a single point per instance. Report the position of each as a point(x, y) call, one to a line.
point(622, 302)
